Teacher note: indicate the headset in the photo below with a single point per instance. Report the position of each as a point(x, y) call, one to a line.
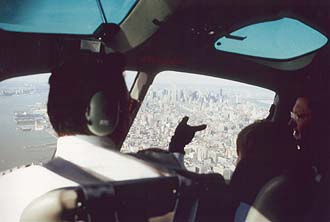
point(102, 114)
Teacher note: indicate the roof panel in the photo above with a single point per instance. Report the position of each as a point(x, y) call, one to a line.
point(281, 39)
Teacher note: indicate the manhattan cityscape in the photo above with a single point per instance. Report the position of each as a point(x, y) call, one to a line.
point(225, 109)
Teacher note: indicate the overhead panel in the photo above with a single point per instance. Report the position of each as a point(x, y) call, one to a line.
point(282, 39)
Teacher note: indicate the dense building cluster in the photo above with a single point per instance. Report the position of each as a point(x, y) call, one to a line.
point(225, 111)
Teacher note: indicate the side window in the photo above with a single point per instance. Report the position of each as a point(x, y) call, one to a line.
point(129, 78)
point(26, 135)
point(225, 106)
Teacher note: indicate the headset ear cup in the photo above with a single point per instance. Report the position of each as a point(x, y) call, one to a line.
point(87, 113)
point(102, 115)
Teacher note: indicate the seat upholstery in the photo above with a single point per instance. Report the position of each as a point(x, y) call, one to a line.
point(284, 198)
point(186, 197)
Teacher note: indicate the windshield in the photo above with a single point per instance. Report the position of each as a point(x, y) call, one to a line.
point(61, 17)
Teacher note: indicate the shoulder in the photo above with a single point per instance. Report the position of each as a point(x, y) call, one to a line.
point(29, 176)
point(20, 185)
point(16, 170)
point(161, 157)
point(17, 176)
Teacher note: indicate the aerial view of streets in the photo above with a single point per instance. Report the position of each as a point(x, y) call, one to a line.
point(225, 111)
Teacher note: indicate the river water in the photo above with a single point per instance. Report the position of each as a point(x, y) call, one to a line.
point(22, 147)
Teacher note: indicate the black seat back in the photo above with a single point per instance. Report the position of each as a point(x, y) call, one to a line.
point(284, 198)
point(130, 200)
point(189, 198)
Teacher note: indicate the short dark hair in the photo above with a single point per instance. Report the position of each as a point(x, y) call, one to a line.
point(72, 85)
point(266, 141)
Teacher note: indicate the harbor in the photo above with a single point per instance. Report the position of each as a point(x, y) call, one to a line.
point(26, 135)
point(34, 119)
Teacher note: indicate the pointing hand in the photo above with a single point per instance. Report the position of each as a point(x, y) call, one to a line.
point(183, 135)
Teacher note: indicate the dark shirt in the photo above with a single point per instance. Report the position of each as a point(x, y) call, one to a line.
point(249, 177)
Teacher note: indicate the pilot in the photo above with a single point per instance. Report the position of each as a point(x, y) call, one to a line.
point(88, 109)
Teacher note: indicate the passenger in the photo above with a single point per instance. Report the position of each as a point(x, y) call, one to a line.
point(307, 122)
point(264, 140)
point(87, 97)
point(301, 121)
point(314, 142)
point(301, 118)
point(264, 151)
point(299, 183)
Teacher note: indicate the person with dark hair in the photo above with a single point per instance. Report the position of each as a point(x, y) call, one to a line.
point(309, 124)
point(72, 90)
point(264, 140)
point(304, 162)
point(88, 109)
point(301, 118)
point(265, 150)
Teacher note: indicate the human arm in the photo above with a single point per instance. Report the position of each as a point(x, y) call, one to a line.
point(183, 135)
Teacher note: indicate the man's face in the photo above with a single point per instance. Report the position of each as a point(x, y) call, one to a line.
point(301, 117)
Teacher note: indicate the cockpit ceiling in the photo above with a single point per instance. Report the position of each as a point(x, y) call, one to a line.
point(161, 35)
point(64, 17)
point(281, 39)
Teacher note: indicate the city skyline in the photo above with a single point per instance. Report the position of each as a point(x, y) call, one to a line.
point(225, 112)
point(226, 109)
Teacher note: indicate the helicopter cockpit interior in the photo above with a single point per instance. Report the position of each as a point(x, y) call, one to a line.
point(279, 46)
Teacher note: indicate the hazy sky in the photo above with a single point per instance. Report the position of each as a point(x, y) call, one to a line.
point(167, 77)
